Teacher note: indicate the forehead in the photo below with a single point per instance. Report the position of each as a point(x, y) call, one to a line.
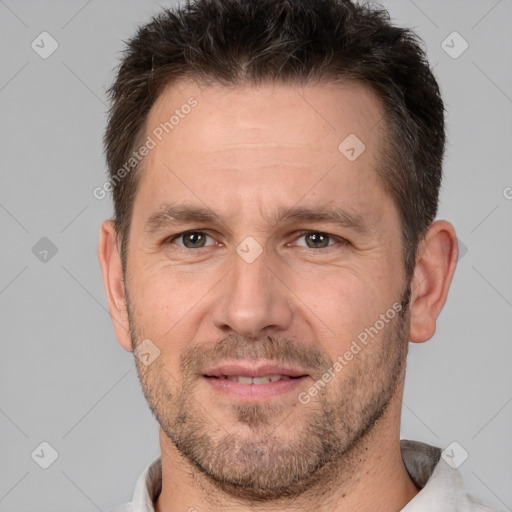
point(269, 144)
point(312, 116)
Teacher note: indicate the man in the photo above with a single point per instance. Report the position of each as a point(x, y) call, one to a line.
point(275, 168)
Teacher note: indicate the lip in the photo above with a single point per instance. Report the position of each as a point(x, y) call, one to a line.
point(248, 370)
point(254, 392)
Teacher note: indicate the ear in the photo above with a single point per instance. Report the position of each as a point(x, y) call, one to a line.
point(112, 270)
point(435, 265)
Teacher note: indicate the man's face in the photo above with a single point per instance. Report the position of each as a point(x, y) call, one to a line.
point(263, 283)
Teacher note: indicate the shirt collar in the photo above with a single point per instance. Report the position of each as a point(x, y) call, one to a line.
point(148, 487)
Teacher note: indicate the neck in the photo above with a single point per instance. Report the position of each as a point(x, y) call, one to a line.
point(372, 477)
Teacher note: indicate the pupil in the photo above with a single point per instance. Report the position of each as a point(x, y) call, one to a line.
point(194, 240)
point(318, 239)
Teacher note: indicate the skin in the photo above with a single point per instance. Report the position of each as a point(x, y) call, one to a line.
point(244, 153)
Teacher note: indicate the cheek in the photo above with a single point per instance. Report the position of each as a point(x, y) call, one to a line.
point(342, 304)
point(165, 303)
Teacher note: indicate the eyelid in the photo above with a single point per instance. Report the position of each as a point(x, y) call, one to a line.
point(336, 238)
point(173, 238)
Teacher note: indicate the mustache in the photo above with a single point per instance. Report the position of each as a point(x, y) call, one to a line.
point(270, 348)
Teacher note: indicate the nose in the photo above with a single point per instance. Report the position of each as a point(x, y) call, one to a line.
point(252, 299)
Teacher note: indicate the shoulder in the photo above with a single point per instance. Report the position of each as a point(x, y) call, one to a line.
point(440, 482)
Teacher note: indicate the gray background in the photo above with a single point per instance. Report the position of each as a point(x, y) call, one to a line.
point(63, 377)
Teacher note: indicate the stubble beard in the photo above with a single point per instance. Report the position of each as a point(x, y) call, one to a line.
point(273, 451)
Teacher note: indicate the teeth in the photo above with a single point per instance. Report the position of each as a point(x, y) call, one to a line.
point(244, 380)
point(256, 380)
point(264, 380)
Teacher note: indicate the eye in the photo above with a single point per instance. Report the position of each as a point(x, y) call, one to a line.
point(192, 239)
point(316, 240)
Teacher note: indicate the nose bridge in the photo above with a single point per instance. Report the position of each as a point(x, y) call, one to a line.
point(252, 298)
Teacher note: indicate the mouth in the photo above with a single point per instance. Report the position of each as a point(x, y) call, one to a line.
point(249, 382)
point(253, 380)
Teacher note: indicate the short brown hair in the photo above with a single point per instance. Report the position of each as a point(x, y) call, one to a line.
point(288, 41)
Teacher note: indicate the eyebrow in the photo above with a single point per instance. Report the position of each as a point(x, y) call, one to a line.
point(337, 216)
point(171, 215)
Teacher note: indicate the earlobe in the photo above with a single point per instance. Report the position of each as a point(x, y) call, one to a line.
point(111, 269)
point(435, 265)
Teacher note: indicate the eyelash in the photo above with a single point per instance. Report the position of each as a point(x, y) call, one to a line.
point(337, 239)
